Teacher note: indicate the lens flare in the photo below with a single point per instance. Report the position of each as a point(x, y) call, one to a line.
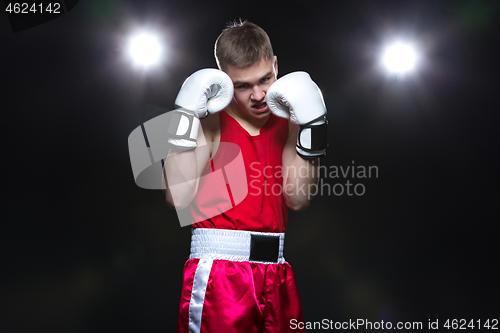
point(145, 49)
point(399, 58)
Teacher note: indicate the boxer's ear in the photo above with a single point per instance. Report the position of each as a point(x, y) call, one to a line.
point(275, 66)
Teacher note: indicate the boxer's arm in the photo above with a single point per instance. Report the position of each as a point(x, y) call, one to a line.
point(205, 92)
point(182, 170)
point(296, 96)
point(300, 174)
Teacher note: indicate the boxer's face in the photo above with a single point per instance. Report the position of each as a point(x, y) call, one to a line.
point(250, 88)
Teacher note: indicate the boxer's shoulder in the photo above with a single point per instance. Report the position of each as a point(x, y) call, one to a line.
point(211, 127)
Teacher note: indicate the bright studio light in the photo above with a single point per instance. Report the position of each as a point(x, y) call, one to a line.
point(145, 49)
point(399, 58)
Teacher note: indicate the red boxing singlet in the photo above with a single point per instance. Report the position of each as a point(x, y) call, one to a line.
point(264, 208)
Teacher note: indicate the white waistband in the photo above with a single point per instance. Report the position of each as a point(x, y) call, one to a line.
point(225, 244)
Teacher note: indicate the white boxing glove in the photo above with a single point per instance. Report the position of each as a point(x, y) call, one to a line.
point(295, 96)
point(205, 91)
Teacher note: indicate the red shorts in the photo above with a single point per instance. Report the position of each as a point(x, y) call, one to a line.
point(237, 296)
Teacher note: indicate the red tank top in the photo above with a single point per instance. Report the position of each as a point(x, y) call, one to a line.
point(264, 208)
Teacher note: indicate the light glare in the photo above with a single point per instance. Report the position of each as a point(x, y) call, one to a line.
point(399, 58)
point(145, 49)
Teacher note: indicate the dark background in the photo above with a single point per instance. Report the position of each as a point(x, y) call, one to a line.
point(85, 249)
